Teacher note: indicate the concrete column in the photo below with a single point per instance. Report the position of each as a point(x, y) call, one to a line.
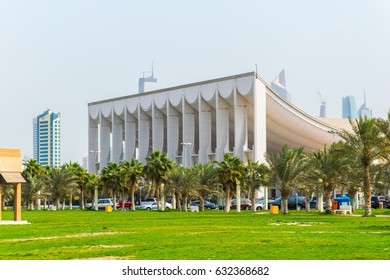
point(117, 137)
point(240, 126)
point(18, 202)
point(188, 132)
point(222, 119)
point(105, 126)
point(130, 135)
point(93, 145)
point(158, 129)
point(172, 131)
point(143, 134)
point(204, 130)
point(259, 115)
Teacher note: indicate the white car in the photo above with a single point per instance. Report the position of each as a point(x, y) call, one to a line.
point(153, 206)
point(102, 203)
point(259, 204)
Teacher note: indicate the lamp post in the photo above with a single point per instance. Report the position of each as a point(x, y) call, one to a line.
point(95, 171)
point(186, 154)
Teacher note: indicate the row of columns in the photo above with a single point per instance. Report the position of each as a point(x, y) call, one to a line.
point(199, 131)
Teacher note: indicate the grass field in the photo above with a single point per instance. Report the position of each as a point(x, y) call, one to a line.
point(213, 235)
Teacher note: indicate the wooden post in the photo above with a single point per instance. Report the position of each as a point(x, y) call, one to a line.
point(18, 202)
point(1, 200)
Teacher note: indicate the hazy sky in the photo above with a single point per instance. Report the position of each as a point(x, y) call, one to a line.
point(61, 55)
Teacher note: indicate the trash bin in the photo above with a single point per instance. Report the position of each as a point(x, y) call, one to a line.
point(274, 209)
point(108, 209)
point(335, 205)
point(6, 208)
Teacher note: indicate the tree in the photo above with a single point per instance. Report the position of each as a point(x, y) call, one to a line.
point(60, 181)
point(157, 169)
point(328, 166)
point(32, 190)
point(255, 176)
point(230, 172)
point(81, 174)
point(182, 181)
point(285, 167)
point(34, 168)
point(206, 181)
point(112, 179)
point(367, 142)
point(132, 172)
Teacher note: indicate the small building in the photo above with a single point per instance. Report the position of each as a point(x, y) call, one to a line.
point(11, 173)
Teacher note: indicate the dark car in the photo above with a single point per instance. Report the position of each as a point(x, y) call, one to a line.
point(246, 204)
point(293, 202)
point(206, 204)
point(375, 200)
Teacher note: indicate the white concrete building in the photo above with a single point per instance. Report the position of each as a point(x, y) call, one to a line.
point(198, 122)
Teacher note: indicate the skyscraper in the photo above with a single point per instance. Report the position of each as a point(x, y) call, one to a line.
point(147, 83)
point(349, 107)
point(364, 111)
point(279, 85)
point(47, 139)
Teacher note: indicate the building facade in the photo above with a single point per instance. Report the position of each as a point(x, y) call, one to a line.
point(47, 139)
point(349, 107)
point(241, 115)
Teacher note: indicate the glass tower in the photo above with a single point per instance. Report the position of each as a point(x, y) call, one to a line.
point(47, 139)
point(349, 107)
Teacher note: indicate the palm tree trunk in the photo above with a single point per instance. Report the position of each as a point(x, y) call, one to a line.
point(158, 197)
point(367, 191)
point(253, 199)
point(285, 205)
point(81, 201)
point(328, 206)
point(227, 199)
point(133, 199)
point(185, 203)
point(201, 205)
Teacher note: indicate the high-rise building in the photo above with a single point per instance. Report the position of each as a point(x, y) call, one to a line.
point(364, 111)
point(146, 84)
point(47, 139)
point(279, 85)
point(349, 107)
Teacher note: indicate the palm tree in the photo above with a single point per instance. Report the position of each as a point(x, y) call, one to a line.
point(328, 167)
point(132, 172)
point(285, 167)
point(255, 175)
point(60, 181)
point(92, 182)
point(34, 168)
point(157, 169)
point(32, 190)
point(206, 181)
point(112, 179)
point(368, 142)
point(81, 174)
point(230, 171)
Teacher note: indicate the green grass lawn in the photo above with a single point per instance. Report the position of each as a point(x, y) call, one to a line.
point(213, 235)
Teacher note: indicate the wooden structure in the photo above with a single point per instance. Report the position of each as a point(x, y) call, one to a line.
point(11, 173)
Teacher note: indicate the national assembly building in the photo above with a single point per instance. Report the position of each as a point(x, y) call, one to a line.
point(198, 122)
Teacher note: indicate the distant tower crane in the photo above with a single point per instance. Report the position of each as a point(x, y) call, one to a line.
point(323, 105)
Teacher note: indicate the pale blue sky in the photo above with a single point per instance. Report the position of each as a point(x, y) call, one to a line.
point(64, 54)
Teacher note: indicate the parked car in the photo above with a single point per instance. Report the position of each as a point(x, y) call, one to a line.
point(292, 202)
point(246, 204)
point(102, 203)
point(376, 199)
point(207, 204)
point(153, 206)
point(126, 205)
point(259, 204)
